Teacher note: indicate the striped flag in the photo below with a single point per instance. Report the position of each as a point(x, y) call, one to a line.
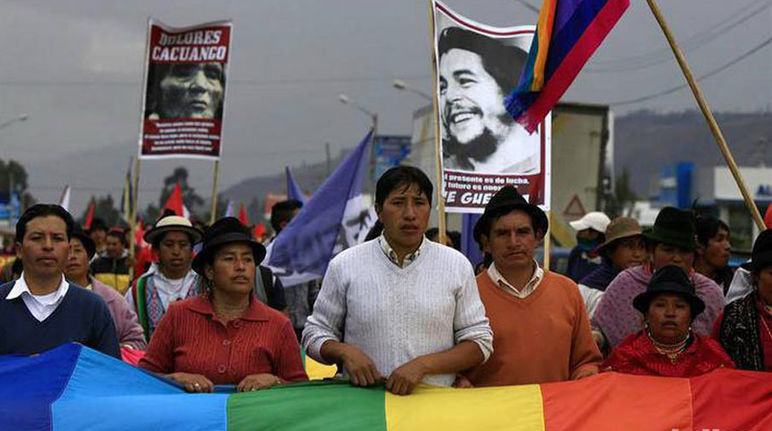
point(75, 388)
point(89, 215)
point(567, 34)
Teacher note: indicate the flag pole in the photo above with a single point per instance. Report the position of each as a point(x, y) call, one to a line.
point(714, 128)
point(442, 230)
point(216, 176)
point(133, 219)
point(547, 243)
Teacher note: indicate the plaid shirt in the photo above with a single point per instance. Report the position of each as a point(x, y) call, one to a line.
point(392, 255)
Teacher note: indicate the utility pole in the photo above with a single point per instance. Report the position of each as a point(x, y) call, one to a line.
point(329, 158)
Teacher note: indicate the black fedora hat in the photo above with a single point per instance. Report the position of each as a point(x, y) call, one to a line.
point(761, 256)
point(86, 240)
point(675, 227)
point(669, 279)
point(505, 200)
point(227, 230)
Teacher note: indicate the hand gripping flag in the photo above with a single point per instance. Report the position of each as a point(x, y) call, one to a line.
point(327, 224)
point(567, 34)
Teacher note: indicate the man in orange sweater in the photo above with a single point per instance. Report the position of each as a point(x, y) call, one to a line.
point(541, 332)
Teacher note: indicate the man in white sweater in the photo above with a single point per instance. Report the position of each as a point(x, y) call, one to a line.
point(400, 307)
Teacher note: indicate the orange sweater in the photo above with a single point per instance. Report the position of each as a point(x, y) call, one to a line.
point(543, 338)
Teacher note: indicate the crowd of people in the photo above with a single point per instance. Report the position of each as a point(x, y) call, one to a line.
point(399, 309)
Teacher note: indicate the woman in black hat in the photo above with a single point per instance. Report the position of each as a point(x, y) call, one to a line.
point(225, 335)
point(745, 328)
point(667, 346)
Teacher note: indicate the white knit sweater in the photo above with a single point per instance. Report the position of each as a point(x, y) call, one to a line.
point(397, 314)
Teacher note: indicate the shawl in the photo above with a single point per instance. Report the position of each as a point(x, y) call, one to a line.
point(637, 355)
point(740, 335)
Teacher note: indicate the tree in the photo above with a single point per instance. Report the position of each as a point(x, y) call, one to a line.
point(620, 202)
point(189, 196)
point(105, 209)
point(13, 176)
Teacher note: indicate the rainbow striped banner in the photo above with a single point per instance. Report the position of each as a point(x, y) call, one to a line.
point(76, 388)
point(567, 34)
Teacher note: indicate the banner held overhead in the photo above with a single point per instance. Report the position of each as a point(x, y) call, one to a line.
point(184, 98)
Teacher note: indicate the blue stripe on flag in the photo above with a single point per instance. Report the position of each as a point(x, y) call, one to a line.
point(105, 393)
point(29, 384)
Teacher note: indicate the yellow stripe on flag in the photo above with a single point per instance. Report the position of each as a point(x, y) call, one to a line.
point(512, 408)
point(319, 371)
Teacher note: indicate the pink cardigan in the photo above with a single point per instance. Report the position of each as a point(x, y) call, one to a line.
point(126, 324)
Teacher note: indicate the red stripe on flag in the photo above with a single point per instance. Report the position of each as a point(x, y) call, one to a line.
point(613, 401)
point(733, 400)
point(572, 63)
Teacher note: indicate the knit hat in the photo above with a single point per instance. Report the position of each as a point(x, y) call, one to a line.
point(669, 279)
point(505, 200)
point(674, 227)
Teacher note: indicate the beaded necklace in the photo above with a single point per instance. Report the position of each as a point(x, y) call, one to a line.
point(672, 351)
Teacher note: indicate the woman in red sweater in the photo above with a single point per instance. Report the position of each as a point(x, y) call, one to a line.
point(668, 347)
point(225, 335)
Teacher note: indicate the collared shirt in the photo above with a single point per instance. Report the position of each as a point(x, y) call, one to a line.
point(40, 306)
point(529, 287)
point(392, 255)
point(191, 339)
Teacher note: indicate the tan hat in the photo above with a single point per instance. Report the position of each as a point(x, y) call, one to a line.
point(173, 223)
point(621, 227)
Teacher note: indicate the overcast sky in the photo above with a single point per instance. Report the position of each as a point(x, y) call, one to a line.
point(75, 68)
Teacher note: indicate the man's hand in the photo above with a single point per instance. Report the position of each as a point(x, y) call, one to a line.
point(192, 382)
point(255, 382)
point(360, 368)
point(404, 379)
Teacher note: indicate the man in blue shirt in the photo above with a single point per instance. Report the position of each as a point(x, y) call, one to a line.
point(41, 310)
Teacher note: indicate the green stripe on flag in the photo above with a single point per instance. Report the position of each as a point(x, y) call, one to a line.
point(320, 405)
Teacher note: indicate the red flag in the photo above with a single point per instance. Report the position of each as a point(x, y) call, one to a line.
point(258, 231)
point(243, 215)
point(175, 204)
point(89, 215)
point(768, 216)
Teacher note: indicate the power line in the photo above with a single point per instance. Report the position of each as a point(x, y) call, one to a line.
point(237, 82)
point(700, 78)
point(694, 42)
point(529, 6)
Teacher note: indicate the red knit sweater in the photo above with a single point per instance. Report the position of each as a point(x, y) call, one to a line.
point(544, 337)
point(191, 339)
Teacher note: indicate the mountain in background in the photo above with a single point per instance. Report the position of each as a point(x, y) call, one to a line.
point(645, 141)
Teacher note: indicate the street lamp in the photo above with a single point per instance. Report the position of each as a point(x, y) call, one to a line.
point(344, 99)
point(20, 118)
point(401, 85)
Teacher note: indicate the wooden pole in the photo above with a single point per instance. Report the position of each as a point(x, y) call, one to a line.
point(442, 230)
point(548, 244)
point(215, 178)
point(133, 219)
point(722, 146)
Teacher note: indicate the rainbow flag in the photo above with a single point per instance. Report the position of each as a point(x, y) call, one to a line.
point(76, 388)
point(567, 34)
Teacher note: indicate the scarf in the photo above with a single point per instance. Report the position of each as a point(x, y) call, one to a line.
point(740, 335)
